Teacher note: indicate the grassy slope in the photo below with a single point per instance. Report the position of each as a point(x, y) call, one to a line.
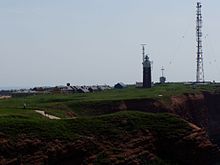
point(14, 120)
point(165, 127)
point(108, 125)
point(60, 104)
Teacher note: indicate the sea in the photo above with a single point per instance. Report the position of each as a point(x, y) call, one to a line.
point(14, 87)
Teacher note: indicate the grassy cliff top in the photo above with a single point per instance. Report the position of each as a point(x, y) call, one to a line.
point(64, 105)
point(162, 92)
point(115, 127)
point(106, 125)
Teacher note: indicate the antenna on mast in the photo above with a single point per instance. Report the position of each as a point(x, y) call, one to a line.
point(162, 69)
point(143, 49)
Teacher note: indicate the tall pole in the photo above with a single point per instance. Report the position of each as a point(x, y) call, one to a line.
point(143, 49)
point(162, 69)
point(199, 60)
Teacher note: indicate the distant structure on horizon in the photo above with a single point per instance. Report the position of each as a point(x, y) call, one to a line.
point(162, 78)
point(199, 60)
point(120, 85)
point(146, 69)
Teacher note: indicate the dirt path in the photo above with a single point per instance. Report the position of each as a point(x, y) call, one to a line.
point(5, 97)
point(47, 115)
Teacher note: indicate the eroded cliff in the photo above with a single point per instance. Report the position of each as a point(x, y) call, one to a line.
point(201, 109)
point(139, 147)
point(124, 137)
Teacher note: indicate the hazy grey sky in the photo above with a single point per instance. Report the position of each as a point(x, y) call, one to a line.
point(52, 42)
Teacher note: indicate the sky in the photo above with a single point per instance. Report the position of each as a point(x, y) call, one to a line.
point(86, 42)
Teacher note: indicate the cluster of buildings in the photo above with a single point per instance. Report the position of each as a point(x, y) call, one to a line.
point(71, 89)
point(57, 89)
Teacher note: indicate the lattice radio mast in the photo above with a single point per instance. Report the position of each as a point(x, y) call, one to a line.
point(199, 60)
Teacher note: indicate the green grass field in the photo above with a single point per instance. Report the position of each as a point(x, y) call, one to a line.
point(65, 105)
point(103, 125)
point(15, 121)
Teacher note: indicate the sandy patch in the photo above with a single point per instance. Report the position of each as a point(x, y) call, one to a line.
point(47, 115)
point(5, 97)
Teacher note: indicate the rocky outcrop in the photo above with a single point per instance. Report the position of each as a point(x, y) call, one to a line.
point(194, 148)
point(107, 107)
point(201, 109)
point(140, 147)
point(191, 107)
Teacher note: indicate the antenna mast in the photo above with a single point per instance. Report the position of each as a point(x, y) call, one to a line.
point(162, 69)
point(199, 60)
point(143, 49)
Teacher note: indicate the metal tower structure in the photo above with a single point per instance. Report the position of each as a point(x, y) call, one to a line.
point(199, 60)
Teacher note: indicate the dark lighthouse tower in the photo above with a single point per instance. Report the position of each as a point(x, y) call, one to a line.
point(146, 70)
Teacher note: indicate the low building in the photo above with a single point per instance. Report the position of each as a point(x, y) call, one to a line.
point(67, 89)
point(162, 80)
point(82, 90)
point(120, 85)
point(93, 88)
point(139, 84)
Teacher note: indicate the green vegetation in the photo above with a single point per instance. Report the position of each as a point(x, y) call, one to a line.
point(166, 126)
point(15, 119)
point(96, 116)
point(19, 113)
point(68, 105)
point(114, 126)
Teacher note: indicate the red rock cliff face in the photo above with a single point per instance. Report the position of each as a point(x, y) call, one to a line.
point(191, 107)
point(137, 148)
point(212, 102)
point(200, 109)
